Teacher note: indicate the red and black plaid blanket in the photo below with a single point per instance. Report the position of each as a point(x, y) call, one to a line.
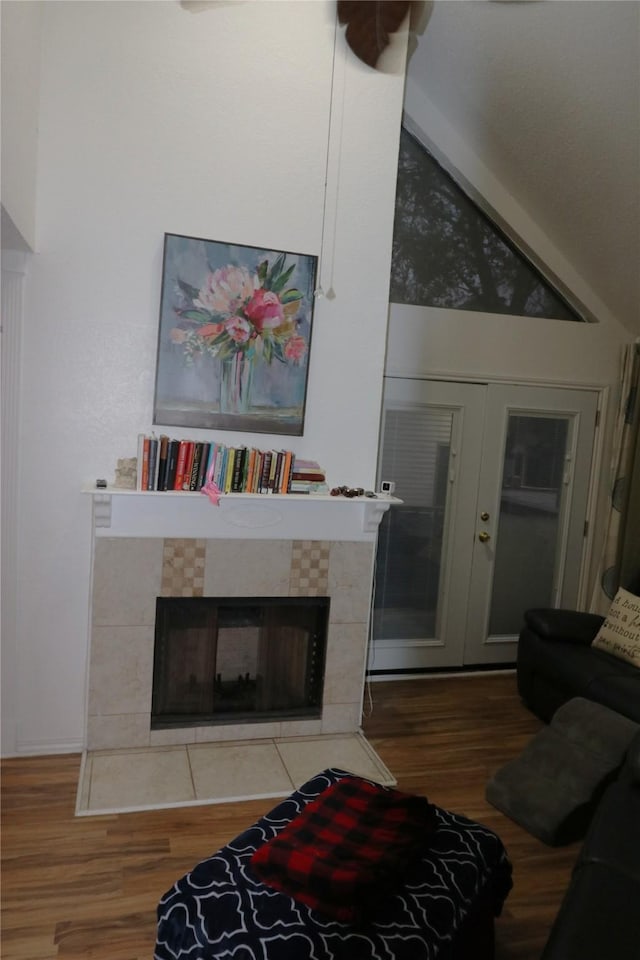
point(348, 849)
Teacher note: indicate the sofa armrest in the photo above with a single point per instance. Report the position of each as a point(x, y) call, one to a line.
point(572, 626)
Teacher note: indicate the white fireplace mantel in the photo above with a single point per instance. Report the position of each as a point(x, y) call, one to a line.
point(134, 513)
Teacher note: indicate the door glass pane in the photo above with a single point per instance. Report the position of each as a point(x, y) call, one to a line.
point(415, 455)
point(529, 522)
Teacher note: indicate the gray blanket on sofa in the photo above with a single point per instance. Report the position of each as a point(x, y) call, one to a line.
point(553, 787)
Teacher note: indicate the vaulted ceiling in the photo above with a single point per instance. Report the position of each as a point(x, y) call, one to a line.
point(547, 95)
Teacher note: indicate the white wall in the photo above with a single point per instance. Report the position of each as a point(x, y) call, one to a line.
point(21, 37)
point(212, 124)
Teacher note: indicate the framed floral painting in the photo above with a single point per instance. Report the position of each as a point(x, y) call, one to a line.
point(234, 336)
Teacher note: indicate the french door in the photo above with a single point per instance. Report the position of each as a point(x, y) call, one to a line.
point(494, 482)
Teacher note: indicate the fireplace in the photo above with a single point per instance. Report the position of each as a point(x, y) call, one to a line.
point(275, 550)
point(238, 659)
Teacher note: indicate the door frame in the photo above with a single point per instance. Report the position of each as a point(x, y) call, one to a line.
point(596, 482)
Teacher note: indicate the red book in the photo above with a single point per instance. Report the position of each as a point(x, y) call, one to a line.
point(188, 462)
point(311, 477)
point(182, 456)
point(307, 470)
point(145, 462)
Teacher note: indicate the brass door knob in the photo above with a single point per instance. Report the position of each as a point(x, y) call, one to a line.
point(484, 537)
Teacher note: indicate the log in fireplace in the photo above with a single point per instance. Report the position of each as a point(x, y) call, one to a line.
point(230, 660)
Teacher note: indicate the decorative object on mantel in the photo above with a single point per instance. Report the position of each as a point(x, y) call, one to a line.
point(351, 492)
point(126, 473)
point(210, 488)
point(234, 336)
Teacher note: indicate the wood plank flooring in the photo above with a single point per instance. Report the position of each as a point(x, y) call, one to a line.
point(88, 887)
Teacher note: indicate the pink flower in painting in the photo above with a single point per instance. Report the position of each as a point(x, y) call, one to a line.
point(295, 348)
point(238, 329)
point(264, 310)
point(226, 289)
point(241, 309)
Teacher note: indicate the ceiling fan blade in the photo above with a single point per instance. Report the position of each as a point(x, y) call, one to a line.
point(370, 24)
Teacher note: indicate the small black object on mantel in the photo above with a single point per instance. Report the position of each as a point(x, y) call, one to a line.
point(101, 484)
point(351, 492)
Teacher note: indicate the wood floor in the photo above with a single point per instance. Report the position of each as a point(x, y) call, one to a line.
point(88, 887)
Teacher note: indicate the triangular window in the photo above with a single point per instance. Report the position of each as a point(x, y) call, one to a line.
point(448, 253)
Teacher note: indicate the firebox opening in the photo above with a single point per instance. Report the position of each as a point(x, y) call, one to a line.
point(231, 660)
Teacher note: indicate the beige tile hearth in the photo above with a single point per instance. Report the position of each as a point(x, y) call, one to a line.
point(116, 781)
point(238, 769)
point(306, 756)
point(139, 778)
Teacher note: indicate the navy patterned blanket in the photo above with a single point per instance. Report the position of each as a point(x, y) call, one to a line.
point(221, 910)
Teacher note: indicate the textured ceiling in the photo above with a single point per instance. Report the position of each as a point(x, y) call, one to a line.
point(547, 94)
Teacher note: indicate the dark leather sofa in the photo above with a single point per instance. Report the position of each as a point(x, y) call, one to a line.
point(556, 662)
point(599, 916)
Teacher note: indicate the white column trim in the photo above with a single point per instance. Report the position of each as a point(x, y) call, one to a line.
point(14, 268)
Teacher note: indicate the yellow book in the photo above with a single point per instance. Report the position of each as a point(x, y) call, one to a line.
point(250, 470)
point(228, 477)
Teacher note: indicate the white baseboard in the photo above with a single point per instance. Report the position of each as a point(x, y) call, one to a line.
point(462, 674)
point(34, 748)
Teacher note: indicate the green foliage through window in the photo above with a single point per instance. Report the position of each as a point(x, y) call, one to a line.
point(447, 253)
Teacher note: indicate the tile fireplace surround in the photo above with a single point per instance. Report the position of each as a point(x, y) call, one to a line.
point(149, 545)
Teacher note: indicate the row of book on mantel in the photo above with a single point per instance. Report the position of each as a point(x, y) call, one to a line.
point(168, 464)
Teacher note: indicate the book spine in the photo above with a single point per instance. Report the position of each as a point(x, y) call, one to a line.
point(286, 472)
point(139, 461)
point(303, 486)
point(163, 452)
point(180, 465)
point(145, 463)
point(245, 470)
point(220, 468)
point(311, 477)
point(188, 461)
point(266, 470)
point(238, 470)
point(251, 465)
point(257, 472)
point(277, 473)
point(272, 471)
point(195, 466)
point(204, 465)
point(228, 475)
point(172, 462)
point(211, 461)
point(153, 464)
